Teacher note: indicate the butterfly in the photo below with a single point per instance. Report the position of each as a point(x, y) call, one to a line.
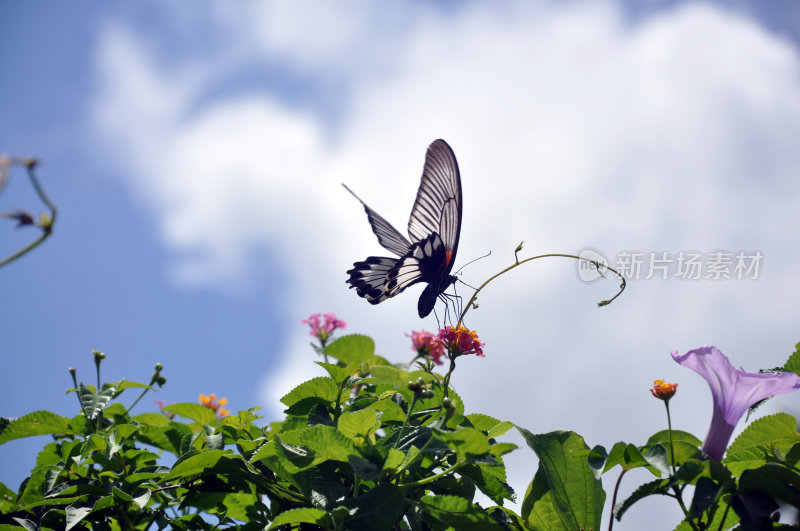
point(433, 229)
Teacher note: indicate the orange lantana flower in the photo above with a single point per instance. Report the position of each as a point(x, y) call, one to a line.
point(211, 402)
point(663, 391)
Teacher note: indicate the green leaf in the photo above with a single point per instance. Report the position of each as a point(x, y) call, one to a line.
point(142, 499)
point(364, 468)
point(394, 459)
point(93, 402)
point(33, 488)
point(564, 475)
point(491, 480)
point(313, 446)
point(319, 415)
point(322, 387)
point(115, 409)
point(36, 423)
point(104, 503)
point(761, 439)
point(656, 457)
point(500, 449)
point(214, 439)
point(689, 471)
point(151, 420)
point(77, 511)
point(389, 411)
point(304, 515)
point(507, 518)
point(196, 412)
point(352, 349)
point(168, 438)
point(263, 452)
point(360, 426)
point(597, 458)
point(489, 425)
point(8, 497)
point(467, 442)
point(125, 384)
point(685, 444)
point(538, 508)
point(26, 524)
point(455, 512)
point(121, 494)
point(194, 464)
point(339, 374)
point(50, 455)
point(778, 481)
point(237, 505)
point(660, 487)
point(379, 508)
point(793, 363)
point(305, 406)
point(629, 457)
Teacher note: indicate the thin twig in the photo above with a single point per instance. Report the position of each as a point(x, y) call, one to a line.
point(600, 266)
point(47, 224)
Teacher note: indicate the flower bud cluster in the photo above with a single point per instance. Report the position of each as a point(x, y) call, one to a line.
point(421, 389)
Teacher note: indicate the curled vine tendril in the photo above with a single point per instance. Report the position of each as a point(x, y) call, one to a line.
point(601, 267)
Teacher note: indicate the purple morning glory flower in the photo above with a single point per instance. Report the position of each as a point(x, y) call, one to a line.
point(734, 391)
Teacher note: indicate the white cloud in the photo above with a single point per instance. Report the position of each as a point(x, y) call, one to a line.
point(572, 128)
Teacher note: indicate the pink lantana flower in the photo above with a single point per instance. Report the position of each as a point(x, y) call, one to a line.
point(460, 341)
point(424, 343)
point(734, 391)
point(322, 326)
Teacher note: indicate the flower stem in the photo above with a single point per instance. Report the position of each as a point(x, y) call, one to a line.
point(679, 497)
point(405, 423)
point(614, 499)
point(671, 447)
point(598, 265)
point(724, 516)
point(144, 391)
point(434, 477)
point(446, 384)
point(47, 227)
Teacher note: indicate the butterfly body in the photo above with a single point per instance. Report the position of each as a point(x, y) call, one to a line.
point(433, 228)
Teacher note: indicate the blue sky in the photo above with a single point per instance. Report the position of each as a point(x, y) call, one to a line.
point(195, 155)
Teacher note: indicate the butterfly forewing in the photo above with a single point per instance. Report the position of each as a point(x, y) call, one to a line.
point(389, 237)
point(438, 204)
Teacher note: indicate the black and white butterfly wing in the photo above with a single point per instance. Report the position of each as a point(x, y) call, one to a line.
point(389, 237)
point(369, 278)
point(434, 228)
point(438, 204)
point(426, 261)
point(436, 212)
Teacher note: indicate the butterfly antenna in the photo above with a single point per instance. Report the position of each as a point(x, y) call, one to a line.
point(468, 263)
point(466, 284)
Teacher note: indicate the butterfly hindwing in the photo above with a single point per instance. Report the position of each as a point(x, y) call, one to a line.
point(422, 264)
point(369, 278)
